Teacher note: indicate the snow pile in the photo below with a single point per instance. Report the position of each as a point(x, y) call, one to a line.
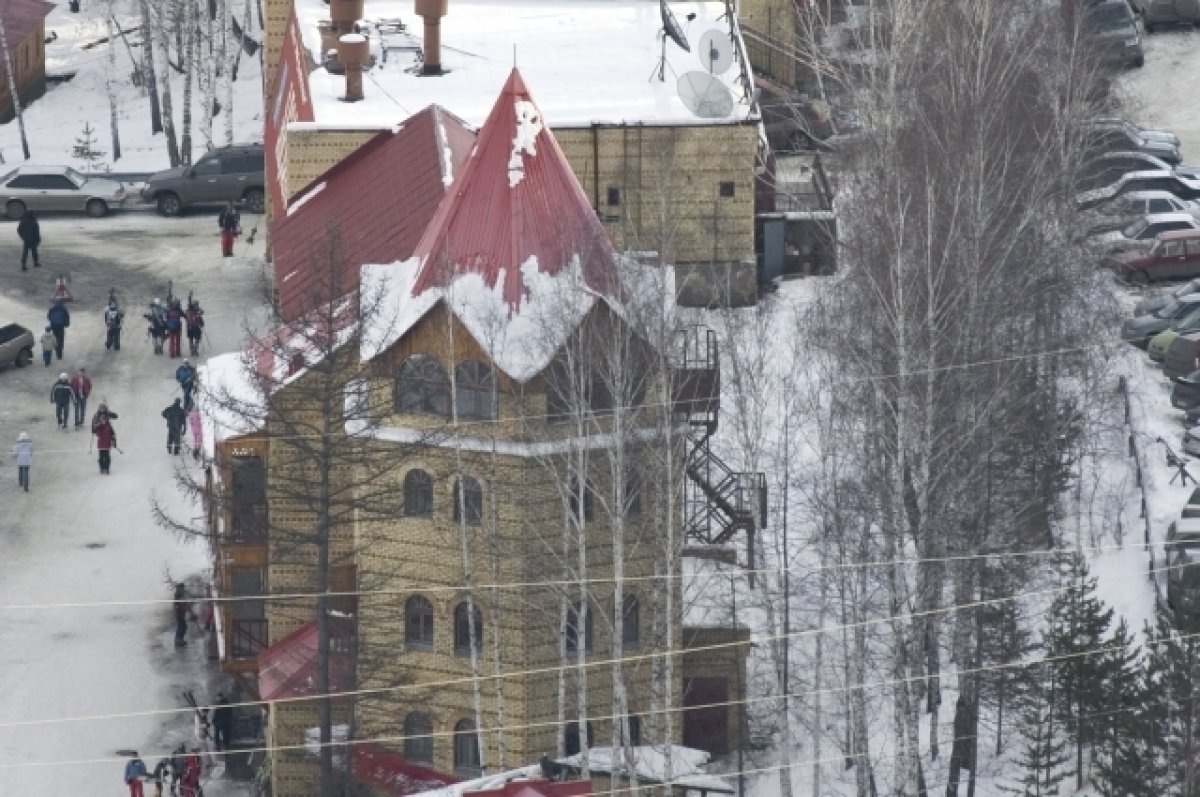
point(673, 763)
point(229, 403)
point(529, 125)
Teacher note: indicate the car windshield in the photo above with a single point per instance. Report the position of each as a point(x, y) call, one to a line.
point(1109, 15)
point(1135, 229)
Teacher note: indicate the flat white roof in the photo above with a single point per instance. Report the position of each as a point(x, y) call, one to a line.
point(585, 62)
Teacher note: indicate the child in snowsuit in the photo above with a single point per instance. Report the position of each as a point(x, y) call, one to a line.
point(23, 453)
point(176, 418)
point(185, 375)
point(135, 770)
point(60, 397)
point(231, 227)
point(48, 342)
point(106, 436)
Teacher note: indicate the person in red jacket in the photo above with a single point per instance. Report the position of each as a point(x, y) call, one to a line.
point(192, 766)
point(174, 321)
point(106, 435)
point(81, 388)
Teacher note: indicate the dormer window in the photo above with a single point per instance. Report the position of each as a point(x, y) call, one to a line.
point(422, 387)
point(475, 392)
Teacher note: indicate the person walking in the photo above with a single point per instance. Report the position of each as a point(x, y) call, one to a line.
point(222, 722)
point(135, 770)
point(114, 317)
point(192, 768)
point(59, 318)
point(185, 375)
point(176, 419)
point(30, 233)
point(23, 454)
point(158, 327)
point(230, 223)
point(173, 318)
point(60, 397)
point(182, 608)
point(81, 388)
point(48, 342)
point(195, 327)
point(106, 435)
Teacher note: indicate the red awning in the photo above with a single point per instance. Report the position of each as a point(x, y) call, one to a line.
point(383, 769)
point(289, 667)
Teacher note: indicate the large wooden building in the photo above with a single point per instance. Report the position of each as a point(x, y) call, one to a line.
point(25, 34)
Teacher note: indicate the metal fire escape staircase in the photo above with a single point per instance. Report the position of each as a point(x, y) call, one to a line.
point(718, 501)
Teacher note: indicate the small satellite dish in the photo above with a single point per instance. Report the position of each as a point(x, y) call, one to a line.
point(671, 27)
point(705, 95)
point(716, 53)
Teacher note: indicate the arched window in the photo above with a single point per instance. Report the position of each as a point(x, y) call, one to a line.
point(573, 500)
point(418, 738)
point(475, 394)
point(462, 630)
point(630, 622)
point(573, 629)
point(418, 494)
point(468, 501)
point(635, 731)
point(418, 623)
point(466, 747)
point(571, 737)
point(422, 386)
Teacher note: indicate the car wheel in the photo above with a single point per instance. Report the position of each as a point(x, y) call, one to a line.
point(24, 357)
point(1139, 278)
point(15, 209)
point(169, 204)
point(97, 208)
point(254, 200)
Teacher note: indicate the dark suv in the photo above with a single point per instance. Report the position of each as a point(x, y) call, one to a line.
point(227, 174)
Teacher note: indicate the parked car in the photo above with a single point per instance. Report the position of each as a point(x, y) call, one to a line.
point(1154, 180)
point(1141, 234)
point(1104, 169)
point(1113, 27)
point(1183, 355)
point(1113, 135)
point(1174, 255)
point(1156, 13)
point(1157, 348)
point(1192, 508)
point(227, 174)
point(1132, 206)
point(1140, 329)
point(58, 188)
point(16, 345)
point(1185, 392)
point(1157, 300)
point(1185, 532)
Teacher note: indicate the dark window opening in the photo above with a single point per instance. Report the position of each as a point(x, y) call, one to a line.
point(572, 629)
point(468, 501)
point(418, 494)
point(418, 738)
point(573, 500)
point(726, 189)
point(571, 738)
point(635, 731)
point(462, 630)
point(466, 748)
point(614, 195)
point(475, 392)
point(630, 622)
point(248, 498)
point(422, 386)
point(418, 623)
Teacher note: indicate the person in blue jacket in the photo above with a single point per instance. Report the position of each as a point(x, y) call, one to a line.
point(135, 771)
point(59, 318)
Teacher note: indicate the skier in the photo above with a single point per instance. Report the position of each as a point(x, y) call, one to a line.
point(176, 418)
point(30, 233)
point(113, 318)
point(158, 327)
point(231, 227)
point(197, 432)
point(59, 318)
point(222, 722)
point(164, 772)
point(182, 608)
point(60, 397)
point(81, 388)
point(192, 767)
point(185, 375)
point(23, 453)
point(173, 318)
point(48, 342)
point(106, 435)
point(195, 327)
point(135, 770)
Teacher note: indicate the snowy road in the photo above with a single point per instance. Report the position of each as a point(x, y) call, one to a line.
point(1165, 93)
point(80, 537)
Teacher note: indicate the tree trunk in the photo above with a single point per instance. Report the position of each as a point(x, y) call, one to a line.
point(110, 76)
point(190, 23)
point(168, 117)
point(12, 88)
point(148, 70)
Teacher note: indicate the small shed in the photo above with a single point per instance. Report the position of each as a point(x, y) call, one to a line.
point(25, 34)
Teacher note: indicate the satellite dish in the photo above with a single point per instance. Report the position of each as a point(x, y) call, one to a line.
point(671, 27)
point(716, 53)
point(704, 95)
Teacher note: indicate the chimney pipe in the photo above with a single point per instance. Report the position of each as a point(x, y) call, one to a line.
point(432, 12)
point(352, 52)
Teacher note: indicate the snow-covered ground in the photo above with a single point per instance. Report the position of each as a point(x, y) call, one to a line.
point(87, 666)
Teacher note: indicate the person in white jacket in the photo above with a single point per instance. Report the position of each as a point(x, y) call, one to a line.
point(23, 453)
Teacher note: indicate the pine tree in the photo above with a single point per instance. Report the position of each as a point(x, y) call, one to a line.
point(1073, 644)
point(1125, 752)
point(1175, 660)
point(85, 147)
point(1045, 757)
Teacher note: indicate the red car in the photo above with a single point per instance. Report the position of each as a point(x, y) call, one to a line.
point(1175, 255)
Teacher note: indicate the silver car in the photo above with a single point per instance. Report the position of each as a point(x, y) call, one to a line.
point(1130, 207)
point(58, 188)
point(1140, 234)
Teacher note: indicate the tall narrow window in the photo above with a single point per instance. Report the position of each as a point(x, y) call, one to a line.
point(418, 494)
point(422, 386)
point(468, 501)
point(630, 622)
point(571, 737)
point(466, 747)
point(463, 630)
point(418, 738)
point(475, 388)
point(573, 629)
point(418, 623)
point(574, 500)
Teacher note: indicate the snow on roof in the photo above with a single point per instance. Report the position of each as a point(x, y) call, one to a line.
point(228, 400)
point(649, 762)
point(591, 63)
point(22, 18)
point(487, 782)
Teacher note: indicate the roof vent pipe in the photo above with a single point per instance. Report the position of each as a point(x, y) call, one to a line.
point(353, 52)
point(432, 12)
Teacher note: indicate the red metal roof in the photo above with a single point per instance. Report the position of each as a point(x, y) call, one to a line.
point(289, 667)
point(378, 201)
point(21, 18)
point(391, 773)
point(539, 788)
point(517, 198)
